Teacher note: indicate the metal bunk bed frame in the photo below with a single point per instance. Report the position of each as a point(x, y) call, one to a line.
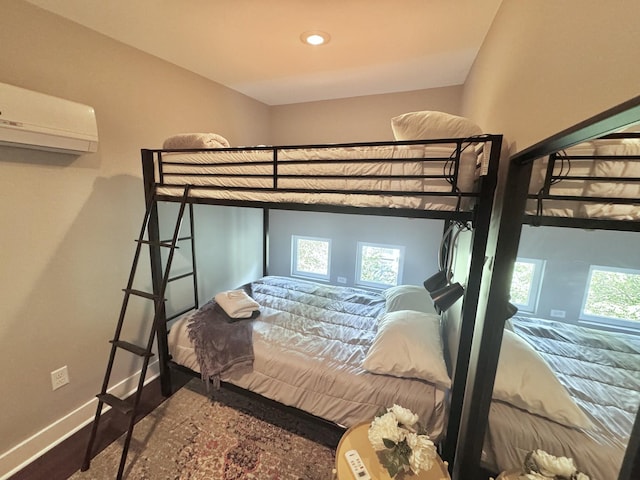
point(480, 218)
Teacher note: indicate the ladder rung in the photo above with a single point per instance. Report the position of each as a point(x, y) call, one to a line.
point(179, 239)
point(160, 244)
point(136, 349)
point(140, 293)
point(120, 405)
point(178, 277)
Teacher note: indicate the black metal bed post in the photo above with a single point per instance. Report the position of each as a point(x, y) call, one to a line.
point(265, 241)
point(153, 236)
point(471, 298)
point(631, 462)
point(194, 263)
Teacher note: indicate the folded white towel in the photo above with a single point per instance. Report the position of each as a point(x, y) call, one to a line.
point(195, 140)
point(236, 303)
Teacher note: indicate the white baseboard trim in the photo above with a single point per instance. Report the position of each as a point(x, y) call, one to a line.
point(21, 455)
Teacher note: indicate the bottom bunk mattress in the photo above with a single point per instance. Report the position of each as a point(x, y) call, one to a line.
point(601, 371)
point(309, 345)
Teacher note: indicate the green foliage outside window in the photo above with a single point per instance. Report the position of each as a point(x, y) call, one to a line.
point(521, 282)
point(613, 294)
point(380, 265)
point(313, 256)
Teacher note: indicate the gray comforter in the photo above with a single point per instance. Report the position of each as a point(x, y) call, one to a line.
point(601, 370)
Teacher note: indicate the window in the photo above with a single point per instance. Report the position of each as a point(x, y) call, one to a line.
point(526, 283)
point(612, 296)
point(379, 265)
point(310, 257)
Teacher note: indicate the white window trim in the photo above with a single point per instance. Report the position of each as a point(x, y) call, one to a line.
point(294, 257)
point(377, 285)
point(536, 284)
point(598, 320)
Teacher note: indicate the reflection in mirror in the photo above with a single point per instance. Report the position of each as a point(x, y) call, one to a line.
point(568, 378)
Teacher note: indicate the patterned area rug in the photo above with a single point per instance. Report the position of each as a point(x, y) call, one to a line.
point(232, 437)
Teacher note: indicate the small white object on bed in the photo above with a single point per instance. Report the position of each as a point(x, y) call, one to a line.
point(236, 303)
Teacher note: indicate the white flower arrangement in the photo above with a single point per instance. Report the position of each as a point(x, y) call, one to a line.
point(401, 443)
point(539, 465)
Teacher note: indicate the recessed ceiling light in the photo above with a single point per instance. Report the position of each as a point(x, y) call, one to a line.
point(315, 38)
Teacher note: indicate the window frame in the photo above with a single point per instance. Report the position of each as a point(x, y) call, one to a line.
point(586, 318)
point(377, 285)
point(295, 272)
point(535, 288)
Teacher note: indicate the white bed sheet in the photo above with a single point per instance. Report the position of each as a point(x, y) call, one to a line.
point(615, 168)
point(182, 168)
point(316, 367)
point(561, 208)
point(622, 168)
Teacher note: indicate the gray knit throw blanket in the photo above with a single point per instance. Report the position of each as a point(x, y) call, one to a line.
point(219, 344)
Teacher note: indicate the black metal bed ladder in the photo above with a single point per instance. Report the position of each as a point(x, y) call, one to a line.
point(129, 407)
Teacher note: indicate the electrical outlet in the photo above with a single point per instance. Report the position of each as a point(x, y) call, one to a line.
point(558, 313)
point(342, 279)
point(59, 377)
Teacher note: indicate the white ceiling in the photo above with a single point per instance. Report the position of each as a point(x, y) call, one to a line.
point(254, 47)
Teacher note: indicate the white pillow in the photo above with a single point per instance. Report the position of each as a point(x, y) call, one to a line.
point(408, 345)
point(525, 380)
point(428, 125)
point(195, 140)
point(408, 297)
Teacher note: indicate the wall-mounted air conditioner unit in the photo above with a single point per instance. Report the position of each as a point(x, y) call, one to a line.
point(34, 120)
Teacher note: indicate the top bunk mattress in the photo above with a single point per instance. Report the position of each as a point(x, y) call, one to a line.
point(418, 175)
point(598, 179)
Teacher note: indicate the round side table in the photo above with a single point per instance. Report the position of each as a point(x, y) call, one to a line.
point(356, 438)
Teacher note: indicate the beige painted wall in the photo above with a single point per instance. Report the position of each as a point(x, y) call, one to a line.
point(68, 223)
point(546, 65)
point(357, 119)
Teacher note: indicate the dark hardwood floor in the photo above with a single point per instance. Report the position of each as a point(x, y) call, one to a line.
point(65, 459)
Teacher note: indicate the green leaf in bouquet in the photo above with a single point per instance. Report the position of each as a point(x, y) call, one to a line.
point(388, 443)
point(404, 451)
point(392, 462)
point(529, 464)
